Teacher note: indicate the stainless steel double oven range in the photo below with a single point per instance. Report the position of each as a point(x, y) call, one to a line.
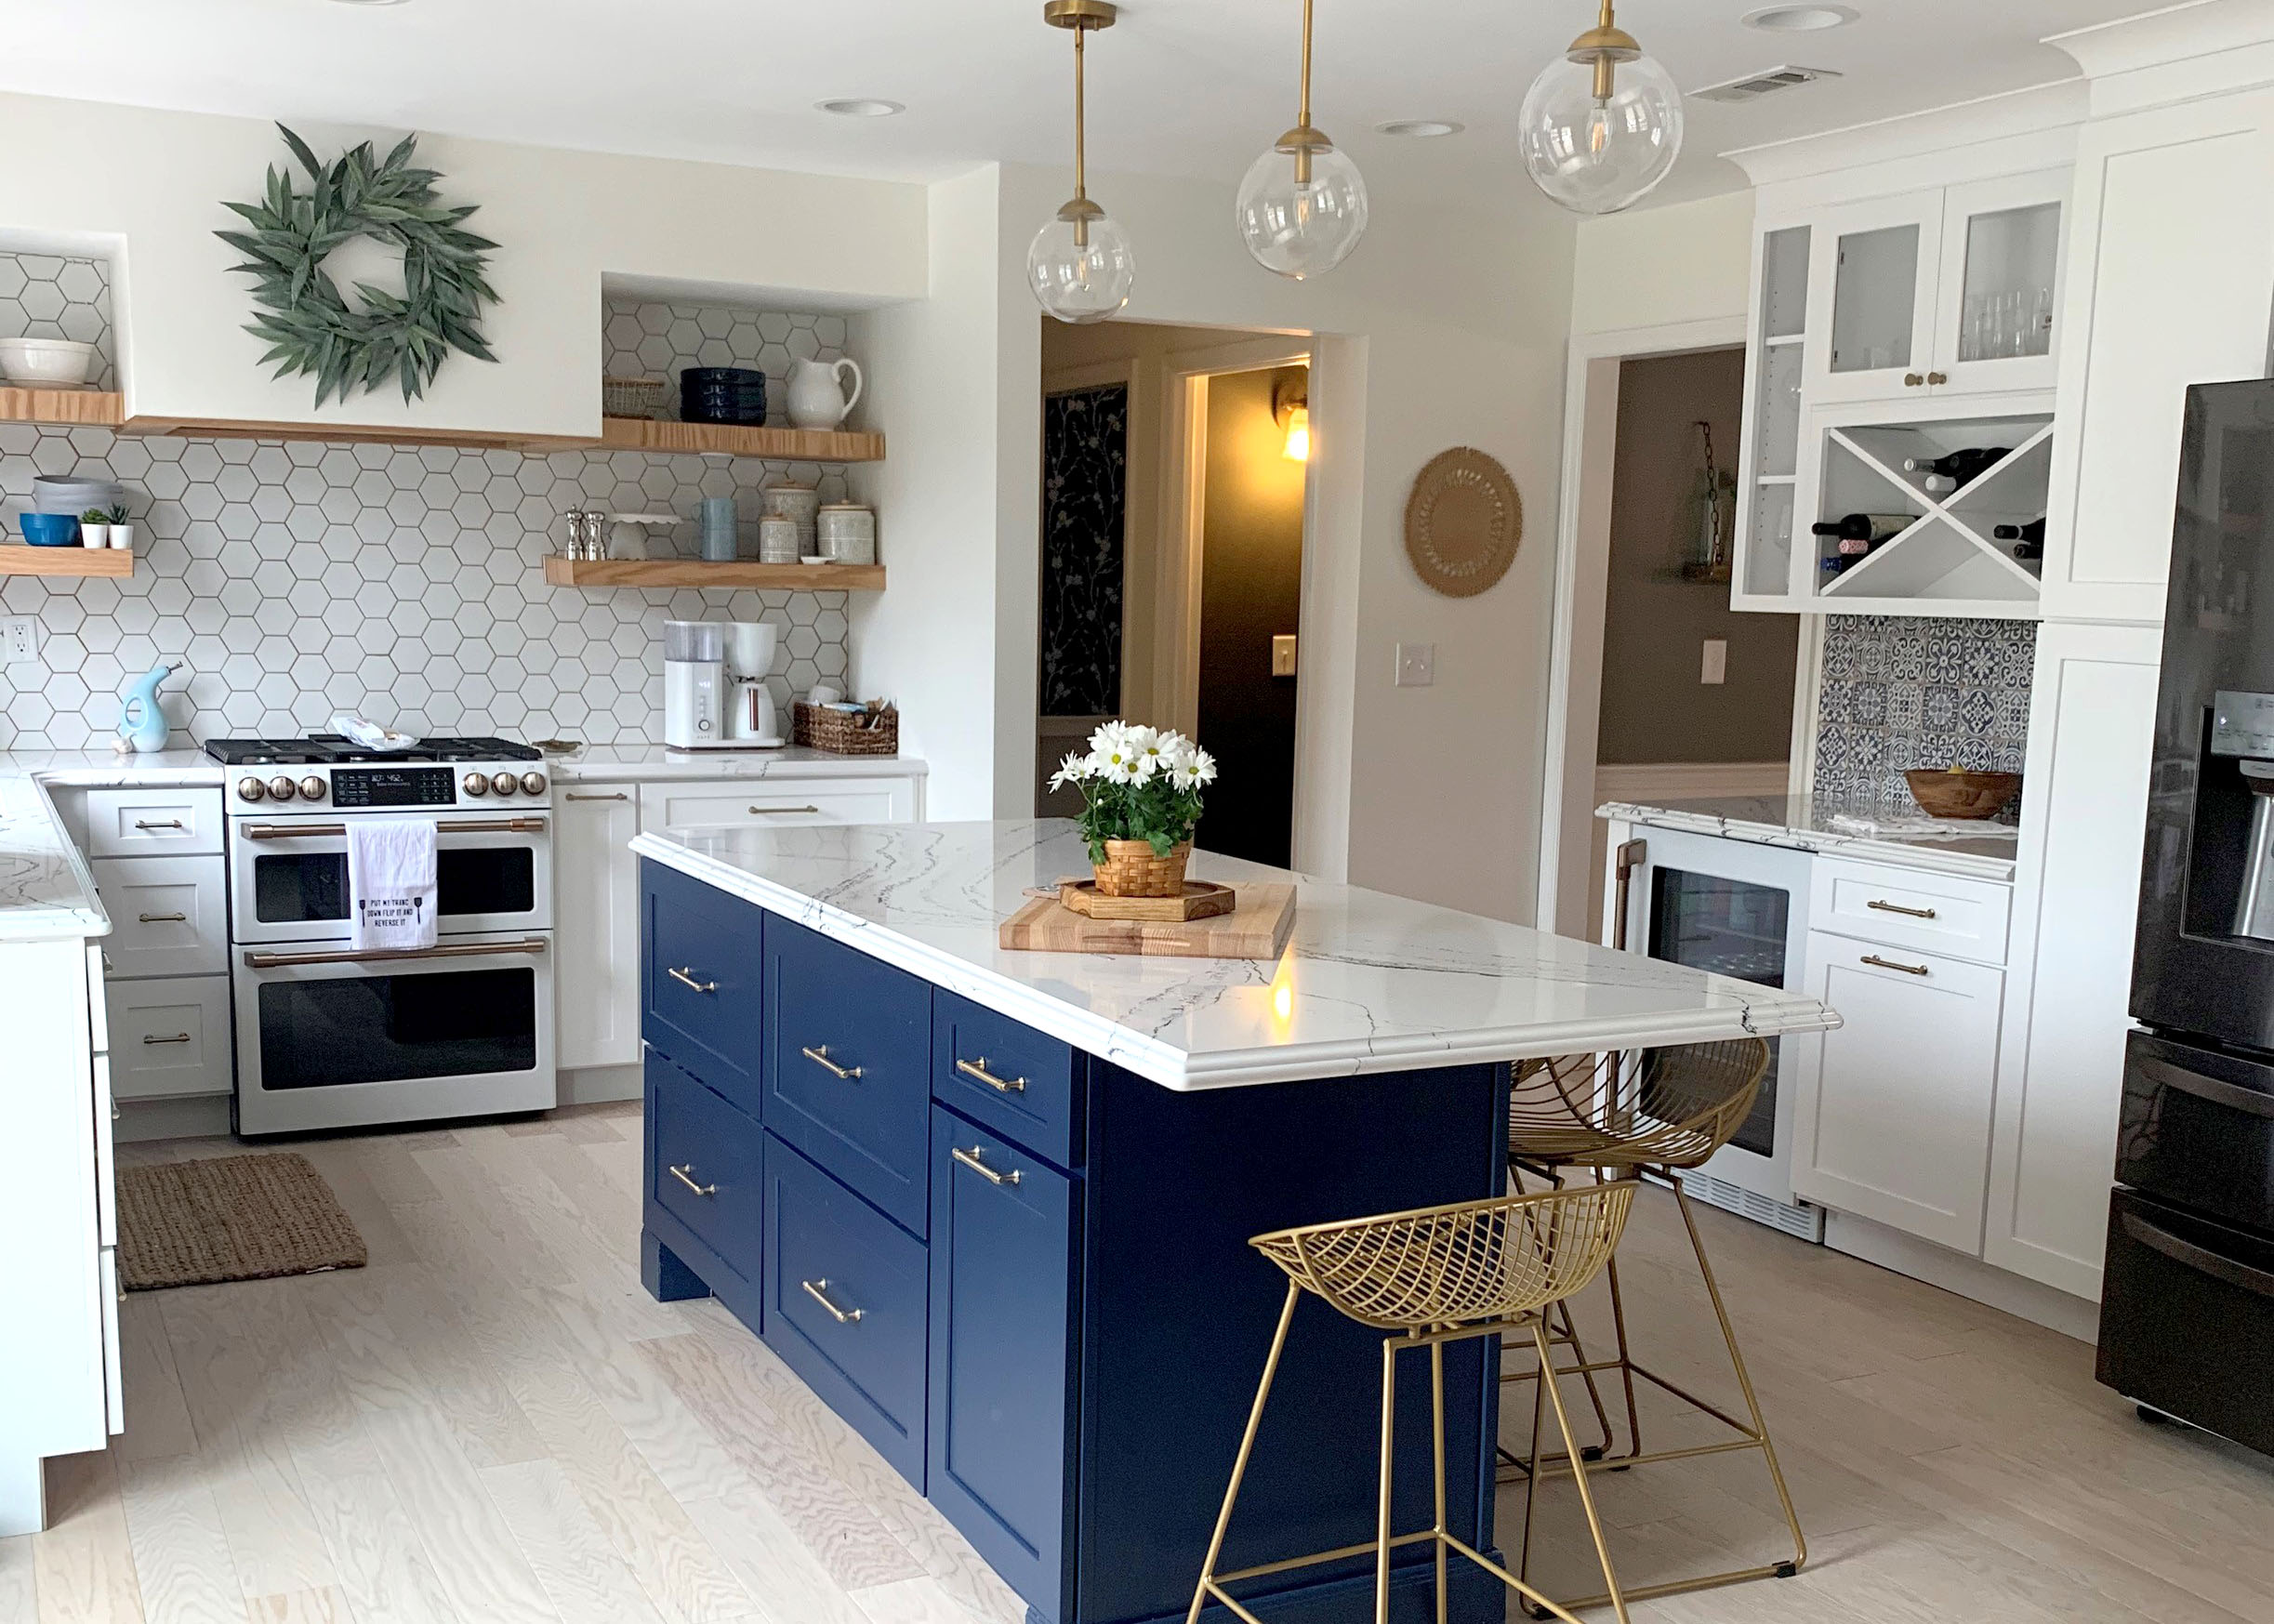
point(331, 1038)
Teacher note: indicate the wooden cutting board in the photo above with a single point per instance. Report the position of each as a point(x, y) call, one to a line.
point(1257, 928)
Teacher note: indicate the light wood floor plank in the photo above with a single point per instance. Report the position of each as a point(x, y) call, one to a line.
point(18, 1589)
point(181, 1559)
point(159, 1425)
point(586, 1581)
point(472, 1552)
point(791, 1582)
point(329, 1605)
point(83, 1567)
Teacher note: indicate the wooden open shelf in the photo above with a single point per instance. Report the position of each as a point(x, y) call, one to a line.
point(77, 407)
point(735, 440)
point(115, 561)
point(561, 571)
point(350, 433)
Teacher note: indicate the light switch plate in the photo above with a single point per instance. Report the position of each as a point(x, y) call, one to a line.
point(1714, 669)
point(19, 639)
point(1416, 665)
point(1283, 654)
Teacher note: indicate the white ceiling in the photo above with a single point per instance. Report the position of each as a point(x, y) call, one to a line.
point(1179, 88)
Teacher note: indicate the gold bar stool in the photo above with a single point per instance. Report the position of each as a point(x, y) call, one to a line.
point(1649, 1113)
point(1430, 1276)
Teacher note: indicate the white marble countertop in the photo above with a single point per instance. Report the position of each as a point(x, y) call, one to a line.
point(1369, 983)
point(652, 763)
point(1976, 850)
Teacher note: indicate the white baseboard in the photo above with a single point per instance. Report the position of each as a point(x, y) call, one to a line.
point(1968, 1277)
point(1644, 781)
point(596, 1085)
point(206, 1117)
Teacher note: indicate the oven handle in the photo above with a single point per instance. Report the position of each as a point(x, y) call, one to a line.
point(446, 826)
point(395, 956)
point(2211, 1088)
point(2203, 1262)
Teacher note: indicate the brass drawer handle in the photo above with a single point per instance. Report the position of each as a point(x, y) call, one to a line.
point(680, 1174)
point(820, 1057)
point(178, 1037)
point(618, 795)
point(1937, 377)
point(1891, 964)
point(1911, 380)
point(684, 979)
point(780, 812)
point(163, 919)
point(168, 824)
point(978, 1068)
point(1899, 908)
point(969, 1158)
point(819, 1291)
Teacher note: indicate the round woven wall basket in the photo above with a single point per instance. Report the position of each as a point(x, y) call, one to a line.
point(1463, 522)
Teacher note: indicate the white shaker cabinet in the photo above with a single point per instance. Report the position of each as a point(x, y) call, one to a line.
point(2170, 273)
point(596, 909)
point(2083, 819)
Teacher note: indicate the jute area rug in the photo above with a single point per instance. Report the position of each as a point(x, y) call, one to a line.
point(230, 1217)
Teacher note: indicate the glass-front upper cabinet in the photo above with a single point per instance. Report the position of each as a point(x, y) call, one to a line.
point(2000, 282)
point(1872, 281)
point(1764, 554)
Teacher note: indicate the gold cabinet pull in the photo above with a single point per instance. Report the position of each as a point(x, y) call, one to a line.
point(1911, 380)
point(178, 1037)
point(168, 824)
point(780, 812)
point(820, 1057)
point(680, 1174)
point(1899, 908)
point(163, 919)
point(969, 1158)
point(978, 1068)
point(1937, 377)
point(819, 1291)
point(1891, 964)
point(617, 795)
point(685, 979)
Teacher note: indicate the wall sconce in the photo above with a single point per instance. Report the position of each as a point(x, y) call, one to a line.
point(1290, 408)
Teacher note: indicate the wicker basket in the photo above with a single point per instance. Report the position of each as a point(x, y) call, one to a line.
point(631, 397)
point(1132, 869)
point(843, 732)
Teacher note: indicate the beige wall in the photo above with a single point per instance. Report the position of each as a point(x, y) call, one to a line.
point(1684, 263)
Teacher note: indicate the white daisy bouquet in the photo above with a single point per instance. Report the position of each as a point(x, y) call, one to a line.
point(1138, 784)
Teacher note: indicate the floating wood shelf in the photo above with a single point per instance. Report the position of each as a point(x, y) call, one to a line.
point(737, 439)
point(695, 573)
point(115, 561)
point(350, 433)
point(77, 407)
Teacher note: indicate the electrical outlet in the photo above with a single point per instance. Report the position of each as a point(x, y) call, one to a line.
point(1283, 654)
point(1416, 665)
point(1714, 669)
point(19, 639)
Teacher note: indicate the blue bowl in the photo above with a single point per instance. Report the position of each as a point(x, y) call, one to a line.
point(51, 529)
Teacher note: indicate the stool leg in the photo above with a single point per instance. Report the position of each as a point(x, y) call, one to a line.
point(1437, 1411)
point(1744, 1382)
point(1579, 1479)
point(1531, 1478)
point(1389, 1423)
point(1239, 1462)
point(1626, 1357)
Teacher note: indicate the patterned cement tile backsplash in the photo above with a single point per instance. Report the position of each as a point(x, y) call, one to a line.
point(1898, 692)
point(296, 580)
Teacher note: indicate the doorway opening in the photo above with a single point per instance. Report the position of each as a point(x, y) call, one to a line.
point(1175, 472)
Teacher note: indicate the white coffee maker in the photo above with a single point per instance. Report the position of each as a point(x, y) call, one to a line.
point(749, 708)
point(694, 684)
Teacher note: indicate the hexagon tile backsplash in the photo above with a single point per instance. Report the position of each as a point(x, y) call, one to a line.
point(296, 580)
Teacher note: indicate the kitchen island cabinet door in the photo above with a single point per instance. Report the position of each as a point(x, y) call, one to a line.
point(596, 904)
point(1891, 1121)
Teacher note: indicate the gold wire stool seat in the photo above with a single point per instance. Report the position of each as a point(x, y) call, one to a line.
point(1430, 1276)
point(1653, 1113)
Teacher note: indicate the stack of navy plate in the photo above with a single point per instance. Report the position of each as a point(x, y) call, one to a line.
point(722, 394)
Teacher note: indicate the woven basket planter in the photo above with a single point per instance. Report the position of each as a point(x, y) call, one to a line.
point(1132, 869)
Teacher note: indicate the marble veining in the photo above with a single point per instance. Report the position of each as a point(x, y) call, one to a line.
point(45, 891)
point(1804, 824)
point(1369, 983)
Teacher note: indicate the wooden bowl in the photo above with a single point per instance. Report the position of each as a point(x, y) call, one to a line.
point(1962, 795)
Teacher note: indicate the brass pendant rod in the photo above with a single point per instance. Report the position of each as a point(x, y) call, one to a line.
point(1078, 33)
point(1303, 104)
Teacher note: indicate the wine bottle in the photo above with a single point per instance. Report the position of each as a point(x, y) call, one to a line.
point(1960, 466)
point(1868, 527)
point(2034, 530)
point(2026, 550)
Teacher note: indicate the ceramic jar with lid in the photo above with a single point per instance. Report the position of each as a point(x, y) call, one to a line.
point(777, 540)
point(847, 531)
point(788, 499)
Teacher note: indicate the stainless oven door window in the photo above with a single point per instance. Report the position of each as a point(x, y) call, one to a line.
point(293, 888)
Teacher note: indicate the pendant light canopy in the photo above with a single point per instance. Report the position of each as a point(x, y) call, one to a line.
point(1079, 265)
point(1603, 125)
point(1301, 207)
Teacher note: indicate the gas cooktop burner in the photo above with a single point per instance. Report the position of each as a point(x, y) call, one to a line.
point(332, 750)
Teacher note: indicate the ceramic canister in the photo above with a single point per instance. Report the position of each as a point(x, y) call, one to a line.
point(777, 540)
point(788, 499)
point(848, 533)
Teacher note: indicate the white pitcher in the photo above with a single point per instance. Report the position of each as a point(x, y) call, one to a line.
point(816, 399)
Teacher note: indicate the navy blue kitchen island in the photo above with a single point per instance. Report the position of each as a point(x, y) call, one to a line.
point(993, 1207)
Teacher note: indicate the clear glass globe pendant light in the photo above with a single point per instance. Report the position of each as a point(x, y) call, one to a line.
point(1301, 207)
point(1602, 127)
point(1079, 265)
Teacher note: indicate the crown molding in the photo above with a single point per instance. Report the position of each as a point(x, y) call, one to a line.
point(2038, 110)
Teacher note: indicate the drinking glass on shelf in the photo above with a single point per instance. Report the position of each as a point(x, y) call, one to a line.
point(2041, 322)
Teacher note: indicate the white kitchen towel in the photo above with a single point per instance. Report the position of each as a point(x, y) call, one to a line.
point(391, 883)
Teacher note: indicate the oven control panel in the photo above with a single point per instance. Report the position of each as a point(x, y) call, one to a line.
point(354, 786)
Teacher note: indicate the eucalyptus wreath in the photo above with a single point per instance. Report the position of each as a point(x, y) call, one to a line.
point(310, 324)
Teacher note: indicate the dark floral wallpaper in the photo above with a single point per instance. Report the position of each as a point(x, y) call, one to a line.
point(1900, 692)
point(1085, 472)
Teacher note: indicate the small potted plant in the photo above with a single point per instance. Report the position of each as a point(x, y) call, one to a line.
point(1141, 796)
point(122, 532)
point(95, 527)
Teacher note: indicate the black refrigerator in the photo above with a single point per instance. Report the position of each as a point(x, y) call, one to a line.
point(2187, 1318)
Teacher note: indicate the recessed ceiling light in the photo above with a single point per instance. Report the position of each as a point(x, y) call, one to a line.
point(860, 107)
point(367, 2)
point(1420, 129)
point(1799, 18)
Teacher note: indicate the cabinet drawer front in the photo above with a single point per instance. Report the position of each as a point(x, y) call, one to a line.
point(772, 803)
point(704, 1166)
point(169, 916)
point(1002, 1382)
point(1007, 1075)
point(845, 1305)
point(700, 979)
point(144, 823)
point(848, 1075)
point(1908, 908)
point(169, 1039)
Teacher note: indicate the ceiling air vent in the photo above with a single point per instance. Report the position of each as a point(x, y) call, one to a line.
point(1752, 86)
